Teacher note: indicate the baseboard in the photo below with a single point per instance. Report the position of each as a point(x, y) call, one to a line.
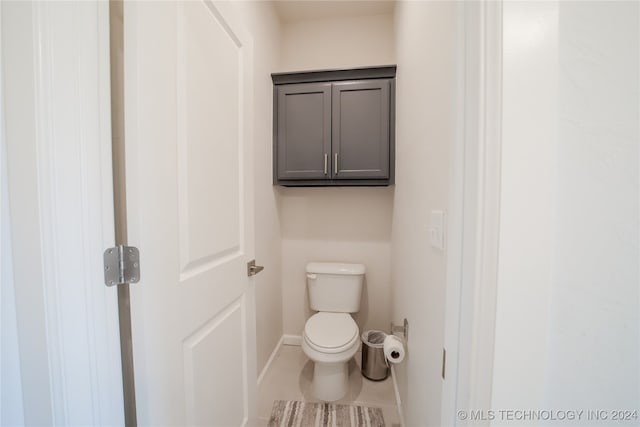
point(291, 340)
point(398, 400)
point(267, 365)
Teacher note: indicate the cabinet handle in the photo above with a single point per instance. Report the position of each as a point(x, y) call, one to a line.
point(326, 159)
point(335, 163)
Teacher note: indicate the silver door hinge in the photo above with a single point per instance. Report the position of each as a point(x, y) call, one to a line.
point(121, 265)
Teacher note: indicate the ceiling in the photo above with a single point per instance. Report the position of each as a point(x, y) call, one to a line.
point(299, 10)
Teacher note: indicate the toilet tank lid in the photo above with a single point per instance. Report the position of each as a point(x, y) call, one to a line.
point(335, 268)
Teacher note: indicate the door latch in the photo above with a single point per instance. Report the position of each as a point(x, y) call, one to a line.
point(253, 269)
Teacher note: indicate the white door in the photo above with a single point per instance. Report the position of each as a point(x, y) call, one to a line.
point(189, 194)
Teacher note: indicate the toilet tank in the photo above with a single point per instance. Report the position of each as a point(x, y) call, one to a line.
point(335, 287)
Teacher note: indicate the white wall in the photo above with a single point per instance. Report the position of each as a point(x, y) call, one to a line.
point(595, 295)
point(568, 329)
point(426, 43)
point(529, 132)
point(593, 351)
point(340, 42)
point(261, 21)
point(336, 224)
point(330, 225)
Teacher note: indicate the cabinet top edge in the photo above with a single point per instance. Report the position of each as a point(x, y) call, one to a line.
point(377, 72)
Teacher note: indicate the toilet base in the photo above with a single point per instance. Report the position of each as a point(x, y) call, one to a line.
point(330, 380)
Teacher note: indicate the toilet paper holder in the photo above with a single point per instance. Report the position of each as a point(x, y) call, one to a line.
point(404, 328)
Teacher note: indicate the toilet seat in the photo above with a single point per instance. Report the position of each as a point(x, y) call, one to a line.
point(331, 332)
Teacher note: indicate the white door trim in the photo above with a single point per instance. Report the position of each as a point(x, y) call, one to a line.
point(11, 410)
point(59, 183)
point(473, 254)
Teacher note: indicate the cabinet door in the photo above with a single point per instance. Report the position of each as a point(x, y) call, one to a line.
point(304, 131)
point(361, 129)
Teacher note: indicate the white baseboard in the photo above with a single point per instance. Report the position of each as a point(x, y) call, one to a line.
point(398, 400)
point(291, 340)
point(267, 365)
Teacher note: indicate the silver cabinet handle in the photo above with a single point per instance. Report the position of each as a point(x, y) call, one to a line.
point(326, 159)
point(335, 163)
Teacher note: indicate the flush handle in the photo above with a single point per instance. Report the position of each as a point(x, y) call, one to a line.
point(253, 269)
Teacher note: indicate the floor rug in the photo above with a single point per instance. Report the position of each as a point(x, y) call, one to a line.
point(293, 413)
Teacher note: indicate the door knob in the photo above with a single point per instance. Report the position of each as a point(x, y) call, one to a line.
point(253, 269)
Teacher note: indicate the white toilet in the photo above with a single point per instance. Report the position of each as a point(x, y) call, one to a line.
point(331, 336)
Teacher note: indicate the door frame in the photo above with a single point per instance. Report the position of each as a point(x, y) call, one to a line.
point(11, 403)
point(60, 204)
point(472, 265)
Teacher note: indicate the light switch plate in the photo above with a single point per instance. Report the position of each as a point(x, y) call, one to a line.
point(436, 229)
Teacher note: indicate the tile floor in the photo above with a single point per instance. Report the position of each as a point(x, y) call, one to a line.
point(289, 378)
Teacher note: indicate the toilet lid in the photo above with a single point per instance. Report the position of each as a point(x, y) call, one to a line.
point(331, 330)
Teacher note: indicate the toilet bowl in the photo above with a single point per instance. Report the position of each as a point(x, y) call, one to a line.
point(331, 336)
point(330, 340)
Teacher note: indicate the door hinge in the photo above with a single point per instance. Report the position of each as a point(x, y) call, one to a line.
point(121, 265)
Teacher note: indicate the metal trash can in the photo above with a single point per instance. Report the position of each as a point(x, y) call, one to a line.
point(374, 365)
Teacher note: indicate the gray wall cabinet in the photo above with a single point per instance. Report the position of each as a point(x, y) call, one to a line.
point(334, 127)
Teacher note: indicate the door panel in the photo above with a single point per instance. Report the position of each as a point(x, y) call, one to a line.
point(189, 194)
point(209, 166)
point(206, 399)
point(361, 129)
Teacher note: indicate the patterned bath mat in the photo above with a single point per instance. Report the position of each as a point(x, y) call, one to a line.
point(293, 413)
